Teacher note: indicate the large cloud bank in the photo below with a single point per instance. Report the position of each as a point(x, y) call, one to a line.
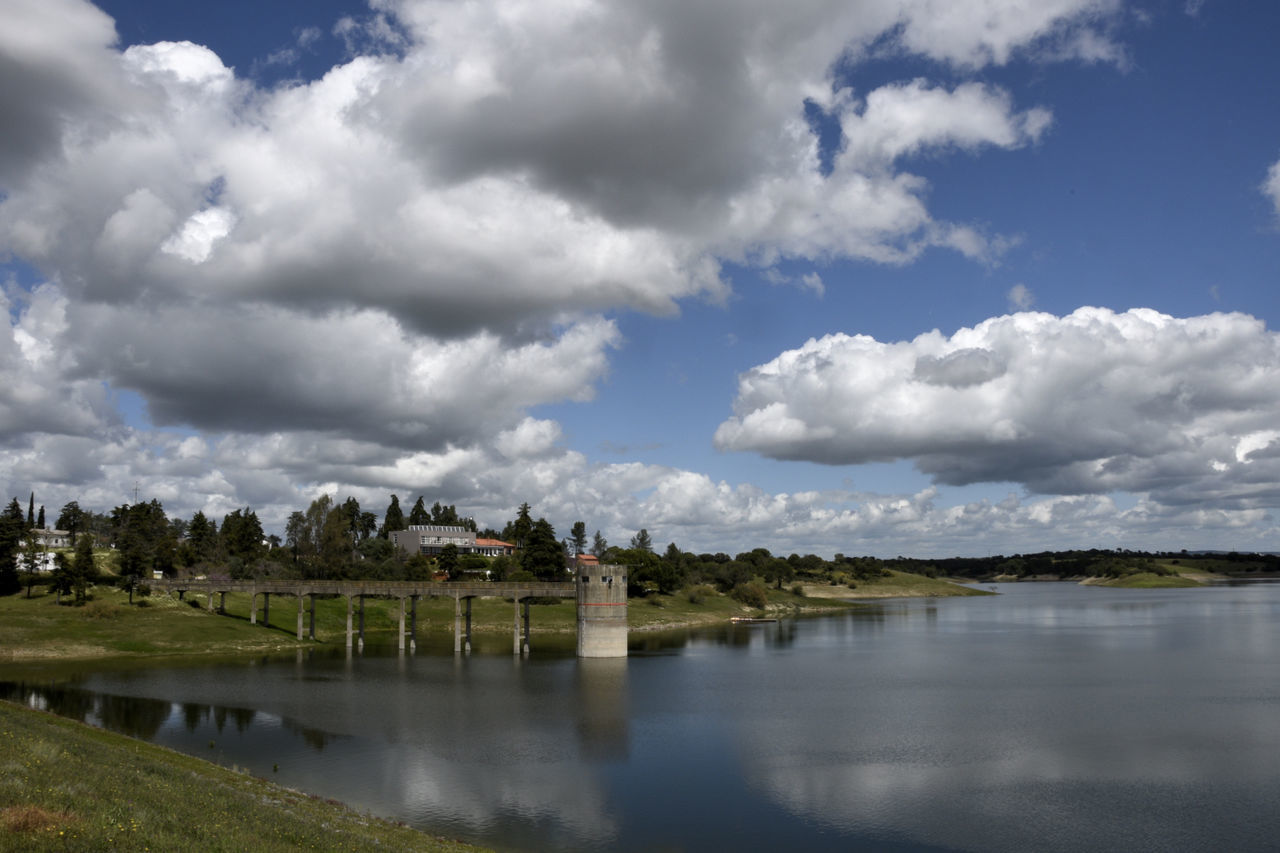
point(1096, 402)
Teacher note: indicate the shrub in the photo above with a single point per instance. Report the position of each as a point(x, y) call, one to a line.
point(852, 584)
point(752, 594)
point(797, 589)
point(699, 593)
point(102, 610)
point(655, 600)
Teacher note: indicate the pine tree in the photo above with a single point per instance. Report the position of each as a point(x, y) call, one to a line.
point(144, 540)
point(522, 526)
point(542, 553)
point(393, 519)
point(83, 570)
point(71, 519)
point(599, 545)
point(642, 542)
point(40, 518)
point(203, 538)
point(31, 556)
point(11, 524)
point(448, 561)
point(242, 535)
point(31, 512)
point(578, 540)
point(419, 515)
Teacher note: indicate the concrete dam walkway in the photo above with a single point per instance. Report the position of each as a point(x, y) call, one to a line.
point(601, 593)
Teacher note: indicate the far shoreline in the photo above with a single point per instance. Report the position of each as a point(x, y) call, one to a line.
point(36, 632)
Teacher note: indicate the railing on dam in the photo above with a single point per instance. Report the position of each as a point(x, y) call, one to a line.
point(357, 590)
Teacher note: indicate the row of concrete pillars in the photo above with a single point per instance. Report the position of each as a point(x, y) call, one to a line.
point(462, 626)
point(355, 629)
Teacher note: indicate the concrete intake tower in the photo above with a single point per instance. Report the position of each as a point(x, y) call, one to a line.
point(602, 611)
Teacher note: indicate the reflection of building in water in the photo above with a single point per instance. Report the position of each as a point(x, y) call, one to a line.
point(602, 703)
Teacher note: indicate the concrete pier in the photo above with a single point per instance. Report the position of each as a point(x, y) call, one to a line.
point(413, 622)
point(457, 625)
point(515, 633)
point(466, 638)
point(400, 632)
point(348, 622)
point(601, 594)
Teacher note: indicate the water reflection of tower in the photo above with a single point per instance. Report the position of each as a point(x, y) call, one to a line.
point(602, 708)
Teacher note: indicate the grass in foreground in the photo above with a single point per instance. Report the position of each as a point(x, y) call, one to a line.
point(68, 786)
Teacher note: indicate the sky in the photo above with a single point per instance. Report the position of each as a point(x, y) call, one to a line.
point(886, 277)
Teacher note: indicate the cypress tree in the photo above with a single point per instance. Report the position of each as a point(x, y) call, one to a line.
point(419, 514)
point(393, 520)
point(11, 528)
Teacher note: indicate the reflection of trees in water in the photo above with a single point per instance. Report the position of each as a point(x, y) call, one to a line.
point(243, 717)
point(140, 718)
point(784, 634)
point(193, 715)
point(314, 738)
point(781, 633)
point(64, 701)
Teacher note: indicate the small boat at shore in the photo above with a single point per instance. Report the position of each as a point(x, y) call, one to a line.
point(750, 620)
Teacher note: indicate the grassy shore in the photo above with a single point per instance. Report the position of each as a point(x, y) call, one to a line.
point(68, 786)
point(1145, 580)
point(896, 585)
point(37, 628)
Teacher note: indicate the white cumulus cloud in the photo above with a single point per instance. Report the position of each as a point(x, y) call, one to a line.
point(1271, 186)
point(1093, 402)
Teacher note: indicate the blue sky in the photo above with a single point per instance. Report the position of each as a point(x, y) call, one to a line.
point(889, 278)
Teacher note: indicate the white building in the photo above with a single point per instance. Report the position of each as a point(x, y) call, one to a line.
point(430, 539)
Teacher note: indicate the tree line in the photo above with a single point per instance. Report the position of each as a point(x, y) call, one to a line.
point(331, 540)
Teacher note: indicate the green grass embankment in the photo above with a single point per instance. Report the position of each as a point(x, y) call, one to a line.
point(68, 786)
point(895, 585)
point(1144, 580)
point(37, 628)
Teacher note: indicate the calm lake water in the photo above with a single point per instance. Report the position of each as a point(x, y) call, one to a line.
point(1051, 717)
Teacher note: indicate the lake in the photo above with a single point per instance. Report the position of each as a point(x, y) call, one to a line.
point(1050, 717)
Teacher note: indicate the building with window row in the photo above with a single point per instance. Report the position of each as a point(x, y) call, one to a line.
point(431, 539)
